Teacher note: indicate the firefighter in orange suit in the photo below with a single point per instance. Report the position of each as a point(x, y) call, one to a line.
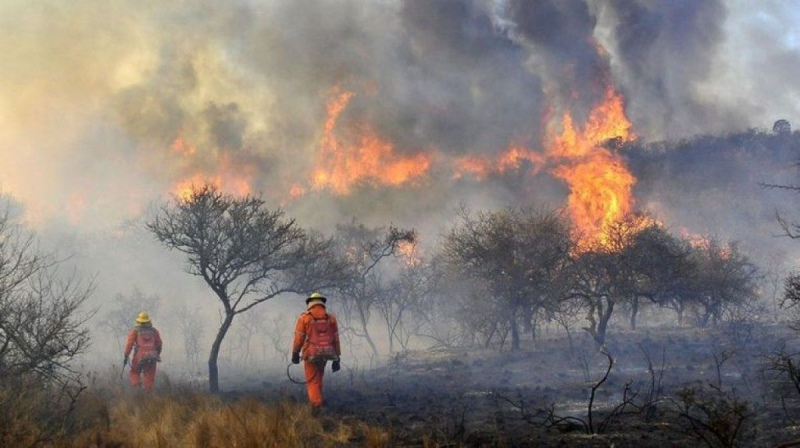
point(145, 342)
point(316, 336)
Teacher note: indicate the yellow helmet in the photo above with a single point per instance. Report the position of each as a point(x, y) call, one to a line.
point(143, 318)
point(316, 296)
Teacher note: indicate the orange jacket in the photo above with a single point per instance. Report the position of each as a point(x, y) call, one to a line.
point(131, 342)
point(303, 328)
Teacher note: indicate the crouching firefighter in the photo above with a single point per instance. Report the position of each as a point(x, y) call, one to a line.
point(316, 336)
point(145, 342)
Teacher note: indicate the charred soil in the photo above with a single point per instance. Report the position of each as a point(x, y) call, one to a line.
point(665, 387)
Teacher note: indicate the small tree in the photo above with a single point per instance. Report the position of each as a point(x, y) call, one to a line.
point(41, 329)
point(658, 265)
point(640, 260)
point(782, 127)
point(406, 297)
point(364, 249)
point(246, 253)
point(192, 329)
point(726, 279)
point(515, 254)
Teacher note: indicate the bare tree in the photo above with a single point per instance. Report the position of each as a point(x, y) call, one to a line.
point(364, 249)
point(41, 325)
point(277, 330)
point(249, 326)
point(192, 328)
point(246, 253)
point(406, 298)
point(726, 278)
point(657, 265)
point(433, 312)
point(514, 254)
point(639, 260)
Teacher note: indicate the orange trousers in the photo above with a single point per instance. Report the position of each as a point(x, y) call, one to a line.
point(315, 370)
point(145, 372)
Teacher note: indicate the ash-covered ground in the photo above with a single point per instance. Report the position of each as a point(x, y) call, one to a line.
point(724, 386)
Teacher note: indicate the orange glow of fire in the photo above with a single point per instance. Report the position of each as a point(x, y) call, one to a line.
point(370, 159)
point(296, 191)
point(694, 239)
point(182, 147)
point(227, 176)
point(705, 243)
point(513, 158)
point(599, 182)
point(407, 250)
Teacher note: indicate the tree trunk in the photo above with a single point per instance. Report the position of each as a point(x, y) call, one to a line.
point(213, 372)
point(705, 318)
point(514, 326)
point(490, 336)
point(634, 312)
point(514, 335)
point(362, 317)
point(602, 324)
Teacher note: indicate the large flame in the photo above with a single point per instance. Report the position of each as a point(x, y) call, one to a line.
point(599, 182)
point(343, 164)
point(364, 157)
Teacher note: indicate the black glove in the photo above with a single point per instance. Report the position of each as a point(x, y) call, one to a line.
point(124, 360)
point(295, 358)
point(335, 366)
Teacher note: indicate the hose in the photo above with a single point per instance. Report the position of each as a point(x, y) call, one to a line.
point(288, 375)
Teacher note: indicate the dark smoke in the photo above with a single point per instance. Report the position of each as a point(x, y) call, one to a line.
point(665, 51)
point(93, 100)
point(560, 36)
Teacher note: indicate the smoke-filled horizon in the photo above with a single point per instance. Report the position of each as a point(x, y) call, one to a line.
point(106, 109)
point(389, 111)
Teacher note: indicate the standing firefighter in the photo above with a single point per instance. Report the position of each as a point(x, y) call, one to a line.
point(317, 335)
point(145, 341)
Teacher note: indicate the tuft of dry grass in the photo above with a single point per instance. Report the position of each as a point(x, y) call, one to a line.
point(193, 419)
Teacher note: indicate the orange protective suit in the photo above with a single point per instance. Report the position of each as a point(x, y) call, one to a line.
point(314, 368)
point(142, 370)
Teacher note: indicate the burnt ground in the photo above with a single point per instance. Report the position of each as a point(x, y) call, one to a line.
point(540, 395)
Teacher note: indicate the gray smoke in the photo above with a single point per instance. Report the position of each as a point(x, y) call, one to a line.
point(104, 110)
point(665, 52)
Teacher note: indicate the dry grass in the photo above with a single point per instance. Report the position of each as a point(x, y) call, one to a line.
point(111, 416)
point(193, 419)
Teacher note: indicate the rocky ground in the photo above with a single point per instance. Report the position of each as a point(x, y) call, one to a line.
point(666, 387)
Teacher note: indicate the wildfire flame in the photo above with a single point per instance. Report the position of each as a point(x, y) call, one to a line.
point(371, 159)
point(482, 167)
point(706, 243)
point(226, 176)
point(600, 183)
point(407, 250)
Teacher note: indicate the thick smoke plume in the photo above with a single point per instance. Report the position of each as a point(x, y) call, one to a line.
point(108, 110)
